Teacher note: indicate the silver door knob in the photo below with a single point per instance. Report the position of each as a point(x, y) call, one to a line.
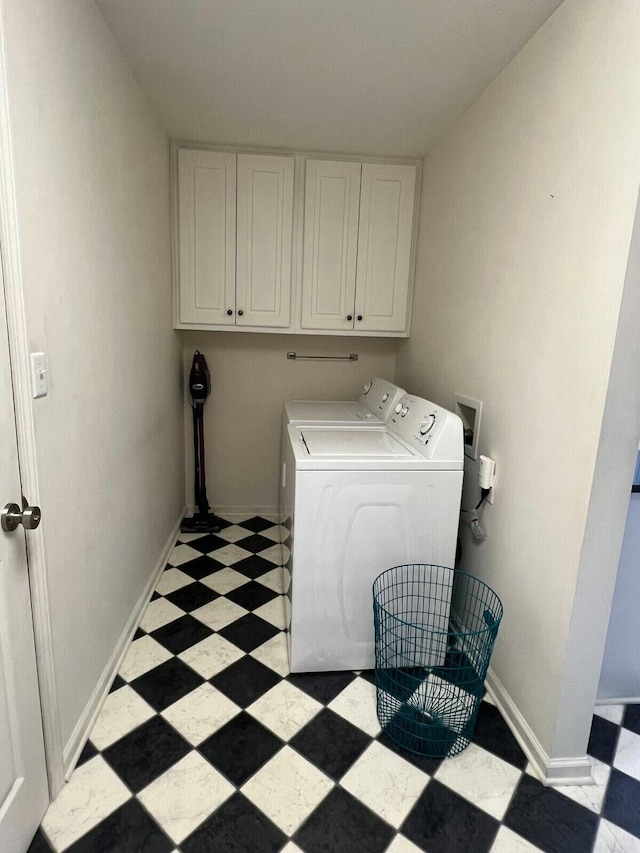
point(12, 516)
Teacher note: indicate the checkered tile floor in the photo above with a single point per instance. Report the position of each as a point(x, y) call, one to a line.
point(206, 744)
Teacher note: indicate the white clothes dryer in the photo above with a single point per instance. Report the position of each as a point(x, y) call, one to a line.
point(358, 501)
point(374, 407)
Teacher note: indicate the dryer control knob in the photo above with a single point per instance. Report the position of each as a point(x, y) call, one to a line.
point(367, 387)
point(398, 408)
point(427, 425)
point(385, 397)
point(404, 412)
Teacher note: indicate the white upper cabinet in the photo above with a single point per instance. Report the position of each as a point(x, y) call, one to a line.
point(264, 231)
point(206, 236)
point(282, 243)
point(235, 223)
point(331, 205)
point(384, 247)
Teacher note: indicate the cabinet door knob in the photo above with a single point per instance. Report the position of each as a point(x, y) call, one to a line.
point(359, 316)
point(229, 311)
point(349, 317)
point(240, 313)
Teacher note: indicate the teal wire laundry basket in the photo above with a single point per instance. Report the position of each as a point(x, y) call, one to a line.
point(434, 633)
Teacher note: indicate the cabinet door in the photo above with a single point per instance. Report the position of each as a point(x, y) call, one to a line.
point(206, 236)
point(264, 232)
point(384, 247)
point(332, 200)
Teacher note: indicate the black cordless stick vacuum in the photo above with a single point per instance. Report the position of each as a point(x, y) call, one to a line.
point(203, 521)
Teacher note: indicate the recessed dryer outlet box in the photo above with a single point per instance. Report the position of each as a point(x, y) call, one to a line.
point(470, 412)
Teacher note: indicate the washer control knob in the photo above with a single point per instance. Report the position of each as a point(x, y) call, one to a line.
point(398, 408)
point(367, 387)
point(385, 397)
point(404, 412)
point(427, 425)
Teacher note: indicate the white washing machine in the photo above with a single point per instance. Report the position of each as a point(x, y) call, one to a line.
point(358, 501)
point(374, 407)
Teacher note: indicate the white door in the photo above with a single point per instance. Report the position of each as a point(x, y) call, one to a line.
point(331, 206)
point(384, 247)
point(207, 237)
point(24, 794)
point(264, 233)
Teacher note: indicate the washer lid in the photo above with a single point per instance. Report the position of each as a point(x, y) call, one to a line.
point(323, 442)
point(329, 411)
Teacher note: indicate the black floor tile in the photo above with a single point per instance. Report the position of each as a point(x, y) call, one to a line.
point(146, 752)
point(603, 739)
point(254, 566)
point(245, 681)
point(631, 718)
point(341, 824)
point(40, 844)
point(622, 802)
point(251, 595)
point(423, 762)
point(208, 543)
point(192, 596)
point(331, 743)
point(443, 822)
point(257, 524)
point(117, 684)
point(249, 632)
point(165, 684)
point(236, 827)
point(323, 686)
point(240, 748)
point(200, 567)
point(139, 633)
point(181, 634)
point(127, 830)
point(255, 543)
point(493, 734)
point(155, 596)
point(88, 752)
point(548, 819)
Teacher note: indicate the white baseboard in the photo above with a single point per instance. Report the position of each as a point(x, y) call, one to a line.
point(620, 700)
point(93, 707)
point(241, 513)
point(550, 771)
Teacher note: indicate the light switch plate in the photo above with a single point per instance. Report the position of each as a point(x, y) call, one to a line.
point(38, 375)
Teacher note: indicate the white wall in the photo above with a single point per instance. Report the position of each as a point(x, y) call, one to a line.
point(92, 187)
point(251, 378)
point(527, 211)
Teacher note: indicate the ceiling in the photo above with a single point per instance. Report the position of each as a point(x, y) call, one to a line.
point(365, 76)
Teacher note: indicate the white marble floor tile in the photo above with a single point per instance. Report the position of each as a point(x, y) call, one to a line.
point(275, 554)
point(274, 654)
point(225, 580)
point(182, 554)
point(171, 580)
point(190, 537)
point(273, 612)
point(385, 782)
point(627, 757)
point(613, 839)
point(510, 842)
point(234, 533)
point(219, 613)
point(122, 712)
point(272, 580)
point(230, 554)
point(590, 796)
point(211, 655)
point(482, 778)
point(143, 654)
point(92, 794)
point(286, 579)
point(284, 709)
point(185, 795)
point(287, 789)
point(277, 534)
point(357, 704)
point(400, 844)
point(158, 613)
point(291, 848)
point(613, 713)
point(200, 713)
